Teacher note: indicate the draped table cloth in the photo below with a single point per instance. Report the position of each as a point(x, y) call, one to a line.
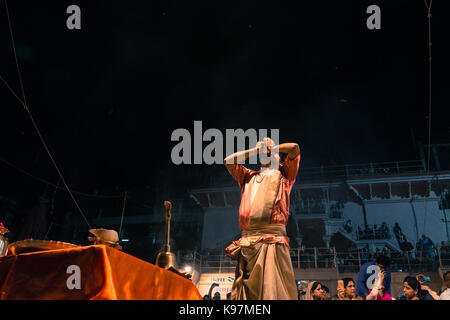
point(96, 272)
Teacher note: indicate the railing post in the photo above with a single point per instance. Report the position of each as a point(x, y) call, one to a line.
point(439, 256)
point(315, 257)
point(409, 262)
point(359, 259)
point(298, 258)
point(335, 257)
point(220, 264)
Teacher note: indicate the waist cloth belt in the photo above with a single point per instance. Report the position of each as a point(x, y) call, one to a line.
point(267, 233)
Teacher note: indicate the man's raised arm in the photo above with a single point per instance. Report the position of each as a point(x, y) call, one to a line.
point(292, 149)
point(241, 156)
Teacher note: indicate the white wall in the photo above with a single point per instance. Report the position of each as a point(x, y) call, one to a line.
point(392, 211)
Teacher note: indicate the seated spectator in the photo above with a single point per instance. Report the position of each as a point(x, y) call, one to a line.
point(377, 253)
point(314, 291)
point(346, 290)
point(360, 233)
point(301, 291)
point(413, 291)
point(445, 294)
point(368, 233)
point(397, 230)
point(444, 250)
point(348, 226)
point(216, 296)
point(378, 292)
point(423, 280)
point(326, 293)
point(376, 232)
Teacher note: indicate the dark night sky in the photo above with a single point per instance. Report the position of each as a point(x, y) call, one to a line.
point(108, 97)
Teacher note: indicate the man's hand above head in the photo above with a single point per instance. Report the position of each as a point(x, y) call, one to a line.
point(292, 149)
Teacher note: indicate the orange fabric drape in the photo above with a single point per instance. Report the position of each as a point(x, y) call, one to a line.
point(105, 274)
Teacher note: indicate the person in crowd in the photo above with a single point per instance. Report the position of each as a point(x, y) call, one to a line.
point(301, 291)
point(346, 290)
point(384, 230)
point(377, 252)
point(423, 280)
point(378, 292)
point(445, 294)
point(314, 291)
point(229, 296)
point(381, 263)
point(425, 245)
point(413, 291)
point(326, 293)
point(397, 230)
point(376, 231)
point(444, 251)
point(360, 233)
point(348, 226)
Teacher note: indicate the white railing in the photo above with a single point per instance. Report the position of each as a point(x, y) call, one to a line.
point(322, 258)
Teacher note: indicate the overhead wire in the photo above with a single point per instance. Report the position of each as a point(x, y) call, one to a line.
point(25, 105)
point(429, 183)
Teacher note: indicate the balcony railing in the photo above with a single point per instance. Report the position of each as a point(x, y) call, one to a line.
point(365, 169)
point(322, 258)
point(317, 206)
point(336, 172)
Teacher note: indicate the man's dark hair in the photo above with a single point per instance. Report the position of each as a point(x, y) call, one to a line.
point(446, 273)
point(383, 260)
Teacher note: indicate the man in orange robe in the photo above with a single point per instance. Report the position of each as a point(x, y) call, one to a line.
point(264, 270)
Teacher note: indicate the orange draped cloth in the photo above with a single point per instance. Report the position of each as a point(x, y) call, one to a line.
point(105, 274)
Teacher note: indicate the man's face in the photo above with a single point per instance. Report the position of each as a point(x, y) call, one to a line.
point(382, 268)
point(273, 161)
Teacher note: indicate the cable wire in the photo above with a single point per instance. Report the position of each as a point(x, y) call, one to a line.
point(25, 105)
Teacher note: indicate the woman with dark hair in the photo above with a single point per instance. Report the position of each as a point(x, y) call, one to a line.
point(378, 292)
point(315, 291)
point(346, 290)
point(326, 293)
point(413, 291)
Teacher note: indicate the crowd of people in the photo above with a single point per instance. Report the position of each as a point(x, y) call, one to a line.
point(374, 232)
point(373, 285)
